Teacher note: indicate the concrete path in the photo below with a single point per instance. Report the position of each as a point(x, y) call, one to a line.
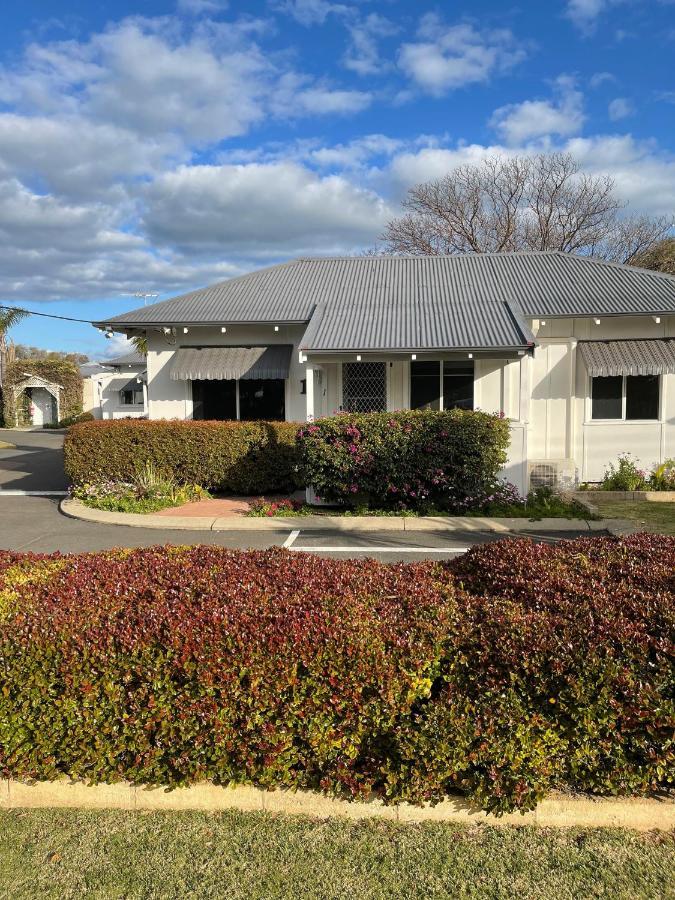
point(35, 464)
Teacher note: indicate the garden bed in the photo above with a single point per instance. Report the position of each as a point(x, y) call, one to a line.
point(514, 671)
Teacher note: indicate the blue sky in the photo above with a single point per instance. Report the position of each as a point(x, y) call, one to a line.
point(160, 146)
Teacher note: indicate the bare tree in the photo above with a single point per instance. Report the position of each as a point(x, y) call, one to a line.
point(660, 257)
point(542, 202)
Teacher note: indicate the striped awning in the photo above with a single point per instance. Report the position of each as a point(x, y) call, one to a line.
point(224, 363)
point(647, 357)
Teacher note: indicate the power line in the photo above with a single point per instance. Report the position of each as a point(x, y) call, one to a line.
point(45, 315)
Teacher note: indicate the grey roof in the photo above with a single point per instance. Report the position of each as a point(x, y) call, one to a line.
point(92, 368)
point(129, 359)
point(641, 357)
point(416, 302)
point(222, 363)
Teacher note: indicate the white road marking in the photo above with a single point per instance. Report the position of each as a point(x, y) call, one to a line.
point(290, 540)
point(16, 493)
point(376, 549)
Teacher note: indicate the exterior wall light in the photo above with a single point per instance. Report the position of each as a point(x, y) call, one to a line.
point(657, 319)
point(413, 356)
point(276, 327)
point(470, 355)
point(358, 357)
point(223, 330)
point(597, 321)
point(185, 330)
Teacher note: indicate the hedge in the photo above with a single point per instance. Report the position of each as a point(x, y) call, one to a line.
point(517, 669)
point(240, 457)
point(413, 458)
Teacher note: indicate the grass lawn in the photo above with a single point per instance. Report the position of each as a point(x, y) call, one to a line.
point(72, 854)
point(656, 517)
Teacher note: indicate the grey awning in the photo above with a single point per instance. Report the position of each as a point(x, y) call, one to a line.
point(223, 363)
point(133, 385)
point(648, 357)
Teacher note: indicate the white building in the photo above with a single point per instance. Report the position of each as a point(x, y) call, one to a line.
point(116, 388)
point(578, 353)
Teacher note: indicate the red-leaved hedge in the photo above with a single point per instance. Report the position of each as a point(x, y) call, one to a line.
point(514, 670)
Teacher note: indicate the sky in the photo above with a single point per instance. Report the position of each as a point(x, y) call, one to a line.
point(162, 146)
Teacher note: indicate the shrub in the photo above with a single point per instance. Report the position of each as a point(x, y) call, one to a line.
point(625, 476)
point(240, 457)
point(149, 491)
point(663, 477)
point(415, 458)
point(514, 670)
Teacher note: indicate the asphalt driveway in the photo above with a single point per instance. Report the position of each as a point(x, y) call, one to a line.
point(34, 523)
point(35, 465)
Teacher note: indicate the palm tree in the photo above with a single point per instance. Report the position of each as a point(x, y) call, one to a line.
point(141, 344)
point(9, 317)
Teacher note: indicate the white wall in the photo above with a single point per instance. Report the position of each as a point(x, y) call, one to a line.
point(169, 399)
point(560, 423)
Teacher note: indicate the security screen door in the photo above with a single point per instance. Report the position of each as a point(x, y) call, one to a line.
point(364, 386)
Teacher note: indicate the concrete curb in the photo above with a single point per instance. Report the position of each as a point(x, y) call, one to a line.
point(557, 810)
point(77, 510)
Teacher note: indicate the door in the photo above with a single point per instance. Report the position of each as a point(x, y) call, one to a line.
point(42, 407)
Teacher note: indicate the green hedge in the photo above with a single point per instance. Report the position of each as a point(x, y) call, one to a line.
point(515, 670)
point(415, 458)
point(239, 457)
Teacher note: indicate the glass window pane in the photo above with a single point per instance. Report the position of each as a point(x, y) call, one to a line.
point(457, 384)
point(642, 396)
point(262, 399)
point(364, 386)
point(606, 397)
point(214, 400)
point(425, 385)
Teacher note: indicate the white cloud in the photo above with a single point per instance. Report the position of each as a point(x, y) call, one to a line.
point(584, 14)
point(620, 108)
point(600, 78)
point(323, 101)
point(312, 12)
point(261, 210)
point(199, 7)
point(518, 123)
point(446, 57)
point(363, 55)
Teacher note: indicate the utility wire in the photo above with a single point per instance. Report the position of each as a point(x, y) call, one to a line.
point(45, 315)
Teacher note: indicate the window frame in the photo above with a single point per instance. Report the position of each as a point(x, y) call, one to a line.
point(589, 420)
point(134, 393)
point(441, 376)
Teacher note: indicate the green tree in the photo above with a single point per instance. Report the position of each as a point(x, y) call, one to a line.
point(9, 317)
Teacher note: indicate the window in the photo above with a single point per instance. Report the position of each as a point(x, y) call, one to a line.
point(441, 385)
point(262, 399)
point(248, 400)
point(625, 397)
point(131, 397)
point(364, 386)
point(425, 385)
point(457, 385)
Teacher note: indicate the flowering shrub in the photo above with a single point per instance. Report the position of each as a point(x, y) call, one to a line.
point(238, 457)
point(149, 491)
point(414, 458)
point(625, 476)
point(514, 670)
point(285, 507)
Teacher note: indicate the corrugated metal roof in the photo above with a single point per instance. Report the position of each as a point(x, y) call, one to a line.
point(129, 359)
point(223, 363)
point(449, 301)
point(642, 357)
